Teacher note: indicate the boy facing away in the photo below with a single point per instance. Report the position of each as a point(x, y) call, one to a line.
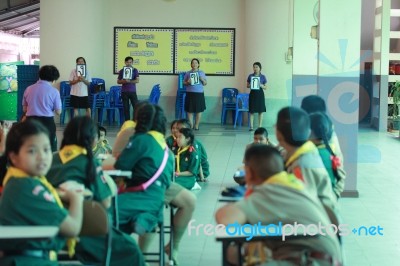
point(276, 196)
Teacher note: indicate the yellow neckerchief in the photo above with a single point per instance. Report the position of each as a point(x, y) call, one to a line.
point(13, 172)
point(281, 178)
point(285, 179)
point(306, 147)
point(69, 152)
point(160, 138)
point(180, 151)
point(127, 124)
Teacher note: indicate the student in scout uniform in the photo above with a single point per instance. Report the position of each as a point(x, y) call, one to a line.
point(144, 156)
point(321, 134)
point(276, 196)
point(303, 160)
point(28, 199)
point(102, 146)
point(128, 90)
point(187, 160)
point(256, 97)
point(75, 162)
point(171, 140)
point(314, 103)
point(176, 195)
point(80, 88)
point(195, 103)
point(204, 171)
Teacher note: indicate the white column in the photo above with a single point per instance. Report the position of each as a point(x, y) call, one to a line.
point(339, 71)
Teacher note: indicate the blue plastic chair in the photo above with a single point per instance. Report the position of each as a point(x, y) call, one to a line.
point(228, 103)
point(65, 89)
point(66, 105)
point(102, 103)
point(155, 94)
point(116, 104)
point(242, 105)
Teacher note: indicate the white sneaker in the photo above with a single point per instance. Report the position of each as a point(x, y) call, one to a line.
point(196, 186)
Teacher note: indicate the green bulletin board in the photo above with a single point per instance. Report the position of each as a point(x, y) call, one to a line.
point(8, 90)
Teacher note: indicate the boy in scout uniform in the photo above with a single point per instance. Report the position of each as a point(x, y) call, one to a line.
point(75, 162)
point(276, 196)
point(302, 157)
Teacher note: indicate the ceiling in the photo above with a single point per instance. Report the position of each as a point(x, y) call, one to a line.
point(20, 17)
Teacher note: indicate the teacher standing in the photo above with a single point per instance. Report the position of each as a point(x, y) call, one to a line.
point(41, 100)
point(195, 103)
point(257, 83)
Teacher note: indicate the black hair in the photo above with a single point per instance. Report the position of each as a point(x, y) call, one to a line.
point(128, 58)
point(188, 133)
point(150, 117)
point(137, 107)
point(313, 103)
point(322, 128)
point(261, 131)
point(81, 131)
point(265, 160)
point(195, 59)
point(258, 64)
point(101, 128)
point(185, 123)
point(16, 137)
point(80, 58)
point(294, 125)
point(49, 73)
point(173, 123)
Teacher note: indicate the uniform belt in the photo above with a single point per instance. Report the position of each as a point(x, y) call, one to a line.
point(305, 257)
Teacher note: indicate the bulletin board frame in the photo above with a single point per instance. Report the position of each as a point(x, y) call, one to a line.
point(168, 51)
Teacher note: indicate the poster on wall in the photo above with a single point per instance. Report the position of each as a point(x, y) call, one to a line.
point(215, 49)
point(152, 49)
point(8, 90)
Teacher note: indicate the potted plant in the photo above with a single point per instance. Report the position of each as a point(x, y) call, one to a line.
point(395, 108)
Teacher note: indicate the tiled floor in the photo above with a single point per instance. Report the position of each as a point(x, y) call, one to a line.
point(378, 204)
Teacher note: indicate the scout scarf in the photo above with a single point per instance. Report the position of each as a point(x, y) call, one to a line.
point(282, 179)
point(180, 151)
point(306, 147)
point(70, 152)
point(17, 173)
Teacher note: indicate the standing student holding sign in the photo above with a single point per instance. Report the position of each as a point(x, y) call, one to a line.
point(128, 77)
point(257, 83)
point(80, 81)
point(195, 103)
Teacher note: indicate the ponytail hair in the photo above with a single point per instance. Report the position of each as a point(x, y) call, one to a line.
point(15, 139)
point(150, 117)
point(322, 129)
point(82, 131)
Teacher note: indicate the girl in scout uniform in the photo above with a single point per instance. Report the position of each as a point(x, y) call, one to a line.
point(187, 159)
point(29, 199)
point(171, 140)
point(140, 211)
point(204, 170)
point(75, 162)
point(321, 134)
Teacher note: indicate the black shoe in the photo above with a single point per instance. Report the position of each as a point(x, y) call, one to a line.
point(251, 129)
